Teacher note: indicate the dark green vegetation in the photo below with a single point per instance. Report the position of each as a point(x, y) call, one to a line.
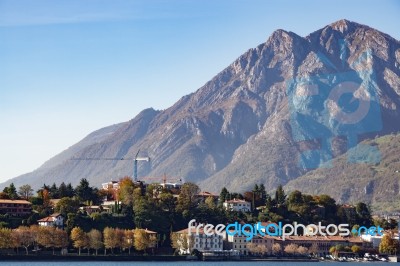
point(377, 184)
point(157, 209)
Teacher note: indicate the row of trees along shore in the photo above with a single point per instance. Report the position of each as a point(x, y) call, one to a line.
point(160, 210)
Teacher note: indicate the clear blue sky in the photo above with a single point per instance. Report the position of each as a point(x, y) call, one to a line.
point(70, 67)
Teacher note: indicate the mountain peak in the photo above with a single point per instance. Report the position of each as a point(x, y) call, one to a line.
point(345, 25)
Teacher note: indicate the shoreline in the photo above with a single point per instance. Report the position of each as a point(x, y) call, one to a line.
point(159, 258)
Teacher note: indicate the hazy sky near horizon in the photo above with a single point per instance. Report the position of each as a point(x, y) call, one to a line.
point(70, 67)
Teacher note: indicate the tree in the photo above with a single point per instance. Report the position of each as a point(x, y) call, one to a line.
point(280, 196)
point(388, 244)
point(313, 249)
point(85, 192)
point(276, 248)
point(144, 240)
point(79, 237)
point(210, 203)
point(182, 242)
point(125, 192)
point(363, 214)
point(25, 237)
point(11, 191)
point(67, 205)
point(95, 240)
point(129, 237)
point(110, 240)
point(291, 249)
point(60, 239)
point(5, 237)
point(224, 195)
point(25, 191)
point(62, 190)
point(54, 191)
point(302, 250)
point(356, 249)
point(45, 236)
point(187, 196)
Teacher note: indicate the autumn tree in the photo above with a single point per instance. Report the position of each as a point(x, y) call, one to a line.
point(356, 249)
point(276, 248)
point(25, 237)
point(110, 240)
point(388, 244)
point(95, 240)
point(125, 192)
point(144, 240)
point(291, 249)
point(302, 250)
point(60, 239)
point(79, 237)
point(45, 236)
point(129, 237)
point(182, 242)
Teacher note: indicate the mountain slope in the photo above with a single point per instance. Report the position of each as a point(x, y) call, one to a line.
point(245, 126)
point(378, 184)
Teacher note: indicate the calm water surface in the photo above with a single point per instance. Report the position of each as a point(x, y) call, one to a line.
point(230, 263)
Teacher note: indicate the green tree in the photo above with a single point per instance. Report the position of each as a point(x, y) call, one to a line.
point(280, 196)
point(85, 192)
point(363, 214)
point(67, 205)
point(223, 196)
point(186, 201)
point(11, 191)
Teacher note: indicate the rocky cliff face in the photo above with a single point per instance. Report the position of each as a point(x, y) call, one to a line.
point(258, 119)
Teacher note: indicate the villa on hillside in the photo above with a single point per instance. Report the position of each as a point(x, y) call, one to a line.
point(55, 219)
point(237, 205)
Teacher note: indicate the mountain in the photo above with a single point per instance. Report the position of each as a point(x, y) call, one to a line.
point(378, 184)
point(257, 120)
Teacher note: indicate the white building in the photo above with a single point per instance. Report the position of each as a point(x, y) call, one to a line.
point(375, 240)
point(237, 205)
point(201, 241)
point(110, 185)
point(55, 219)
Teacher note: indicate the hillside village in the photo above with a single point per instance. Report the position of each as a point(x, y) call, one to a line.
point(126, 217)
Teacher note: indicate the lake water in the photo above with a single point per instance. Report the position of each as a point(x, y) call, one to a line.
point(227, 263)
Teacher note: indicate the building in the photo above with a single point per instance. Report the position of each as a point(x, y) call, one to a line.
point(241, 245)
point(202, 196)
point(201, 241)
point(91, 209)
point(375, 240)
point(15, 207)
point(110, 185)
point(55, 219)
point(237, 205)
